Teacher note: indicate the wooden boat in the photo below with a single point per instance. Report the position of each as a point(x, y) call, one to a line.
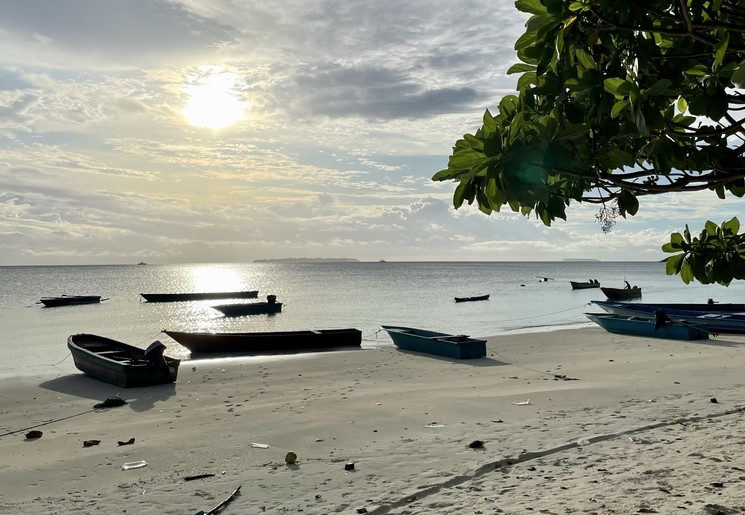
point(122, 364)
point(577, 285)
point(251, 308)
point(632, 293)
point(267, 342)
point(715, 322)
point(179, 297)
point(440, 344)
point(649, 327)
point(472, 299)
point(69, 300)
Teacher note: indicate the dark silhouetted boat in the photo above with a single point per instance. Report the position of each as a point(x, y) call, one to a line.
point(122, 364)
point(472, 299)
point(632, 293)
point(266, 342)
point(439, 344)
point(178, 297)
point(251, 308)
point(70, 300)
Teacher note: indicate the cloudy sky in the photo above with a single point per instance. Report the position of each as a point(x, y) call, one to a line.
point(180, 131)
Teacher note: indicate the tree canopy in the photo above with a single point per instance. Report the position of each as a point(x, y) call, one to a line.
point(616, 101)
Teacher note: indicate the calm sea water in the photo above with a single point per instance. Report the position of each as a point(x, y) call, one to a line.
point(315, 296)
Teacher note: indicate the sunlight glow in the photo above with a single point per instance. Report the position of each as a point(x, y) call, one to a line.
point(216, 278)
point(215, 99)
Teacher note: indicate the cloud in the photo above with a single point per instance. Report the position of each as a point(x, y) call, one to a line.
point(353, 106)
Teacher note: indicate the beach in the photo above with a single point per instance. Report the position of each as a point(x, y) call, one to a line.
point(568, 421)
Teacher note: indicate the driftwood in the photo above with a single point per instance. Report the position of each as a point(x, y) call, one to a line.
point(223, 504)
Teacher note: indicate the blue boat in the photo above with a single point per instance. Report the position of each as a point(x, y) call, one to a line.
point(439, 344)
point(708, 307)
point(649, 327)
point(714, 321)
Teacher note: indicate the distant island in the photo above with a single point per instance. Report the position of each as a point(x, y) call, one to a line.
point(308, 260)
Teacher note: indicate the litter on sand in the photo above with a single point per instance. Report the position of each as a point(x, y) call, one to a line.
point(521, 403)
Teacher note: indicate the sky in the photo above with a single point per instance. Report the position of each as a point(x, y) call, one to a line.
point(189, 131)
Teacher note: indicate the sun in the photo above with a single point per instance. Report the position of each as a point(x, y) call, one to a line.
point(215, 100)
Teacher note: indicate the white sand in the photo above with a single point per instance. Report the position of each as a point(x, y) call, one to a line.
point(634, 431)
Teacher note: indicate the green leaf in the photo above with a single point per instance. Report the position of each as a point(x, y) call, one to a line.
point(490, 124)
point(573, 132)
point(466, 159)
point(661, 87)
point(584, 58)
point(628, 203)
point(618, 108)
point(686, 273)
point(720, 47)
point(576, 7)
point(444, 175)
point(698, 70)
point(738, 78)
point(733, 226)
point(682, 105)
point(613, 84)
point(462, 192)
point(521, 67)
point(531, 6)
point(673, 264)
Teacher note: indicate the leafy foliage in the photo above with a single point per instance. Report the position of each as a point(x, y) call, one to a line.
point(615, 101)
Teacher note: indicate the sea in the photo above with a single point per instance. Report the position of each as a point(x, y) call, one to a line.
point(525, 297)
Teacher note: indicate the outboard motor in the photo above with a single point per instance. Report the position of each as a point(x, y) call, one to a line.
point(154, 354)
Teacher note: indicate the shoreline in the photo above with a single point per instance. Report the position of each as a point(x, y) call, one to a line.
point(569, 420)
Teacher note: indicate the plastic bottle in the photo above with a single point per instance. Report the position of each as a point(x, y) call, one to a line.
point(134, 465)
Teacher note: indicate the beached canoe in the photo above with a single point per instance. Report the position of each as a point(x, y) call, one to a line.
point(715, 322)
point(179, 297)
point(649, 327)
point(267, 342)
point(707, 307)
point(69, 300)
point(472, 299)
point(122, 364)
point(439, 344)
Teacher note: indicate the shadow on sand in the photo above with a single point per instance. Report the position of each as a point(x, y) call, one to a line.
point(474, 362)
point(138, 399)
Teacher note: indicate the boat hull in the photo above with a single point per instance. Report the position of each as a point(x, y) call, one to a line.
point(635, 326)
point(249, 308)
point(583, 286)
point(714, 322)
point(266, 342)
point(472, 299)
point(180, 297)
point(118, 363)
point(622, 293)
point(438, 344)
point(69, 300)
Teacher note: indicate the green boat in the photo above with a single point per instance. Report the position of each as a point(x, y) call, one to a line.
point(439, 344)
point(121, 364)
